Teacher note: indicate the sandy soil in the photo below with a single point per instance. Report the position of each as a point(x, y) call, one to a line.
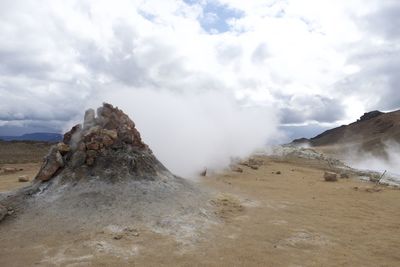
point(23, 151)
point(9, 181)
point(267, 219)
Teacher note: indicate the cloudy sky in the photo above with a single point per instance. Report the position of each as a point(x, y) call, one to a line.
point(313, 63)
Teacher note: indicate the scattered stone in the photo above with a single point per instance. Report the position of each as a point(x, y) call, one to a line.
point(23, 179)
point(330, 176)
point(252, 163)
point(236, 169)
point(344, 176)
point(278, 172)
point(3, 212)
point(373, 190)
point(10, 170)
point(375, 178)
point(132, 231)
point(10, 211)
point(118, 237)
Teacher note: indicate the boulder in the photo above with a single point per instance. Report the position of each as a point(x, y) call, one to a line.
point(52, 163)
point(330, 176)
point(10, 170)
point(23, 179)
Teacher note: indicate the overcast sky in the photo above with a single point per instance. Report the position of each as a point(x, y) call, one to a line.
point(316, 62)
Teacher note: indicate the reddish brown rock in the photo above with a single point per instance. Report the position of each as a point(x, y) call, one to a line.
point(63, 148)
point(107, 141)
point(52, 163)
point(110, 130)
point(93, 146)
point(110, 133)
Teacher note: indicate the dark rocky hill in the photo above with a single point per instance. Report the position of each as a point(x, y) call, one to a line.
point(370, 133)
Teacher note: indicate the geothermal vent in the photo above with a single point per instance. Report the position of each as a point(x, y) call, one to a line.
point(107, 147)
point(103, 174)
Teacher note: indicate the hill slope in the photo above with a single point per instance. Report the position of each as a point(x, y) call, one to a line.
point(370, 133)
point(40, 137)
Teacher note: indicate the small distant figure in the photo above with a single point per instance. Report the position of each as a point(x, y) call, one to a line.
point(204, 173)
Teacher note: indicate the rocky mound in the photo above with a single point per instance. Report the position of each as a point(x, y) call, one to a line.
point(107, 143)
point(103, 174)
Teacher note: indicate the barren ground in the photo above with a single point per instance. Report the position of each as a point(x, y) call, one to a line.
point(267, 219)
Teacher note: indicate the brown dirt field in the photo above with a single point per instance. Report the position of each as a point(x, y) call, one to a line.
point(291, 219)
point(9, 181)
point(23, 152)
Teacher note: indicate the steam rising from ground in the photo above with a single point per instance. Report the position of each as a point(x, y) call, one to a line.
point(368, 161)
point(192, 131)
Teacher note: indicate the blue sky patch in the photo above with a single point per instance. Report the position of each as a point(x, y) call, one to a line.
point(216, 16)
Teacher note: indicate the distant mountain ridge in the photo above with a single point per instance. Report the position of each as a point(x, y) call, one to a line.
point(370, 133)
point(42, 137)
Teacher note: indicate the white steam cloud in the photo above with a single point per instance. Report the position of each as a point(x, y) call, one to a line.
point(192, 131)
point(368, 161)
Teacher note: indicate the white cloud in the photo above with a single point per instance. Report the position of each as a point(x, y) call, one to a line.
point(59, 56)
